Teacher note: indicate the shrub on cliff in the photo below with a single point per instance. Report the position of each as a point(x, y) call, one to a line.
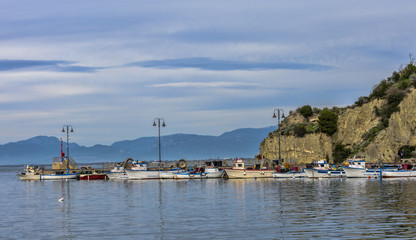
point(305, 111)
point(361, 101)
point(412, 80)
point(408, 70)
point(328, 121)
point(299, 130)
point(394, 98)
point(379, 90)
point(340, 153)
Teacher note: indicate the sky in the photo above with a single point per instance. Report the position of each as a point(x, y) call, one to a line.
point(109, 68)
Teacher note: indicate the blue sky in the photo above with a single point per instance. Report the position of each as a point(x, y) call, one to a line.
point(108, 68)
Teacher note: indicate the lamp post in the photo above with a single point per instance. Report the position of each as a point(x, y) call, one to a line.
point(67, 143)
point(278, 110)
point(163, 125)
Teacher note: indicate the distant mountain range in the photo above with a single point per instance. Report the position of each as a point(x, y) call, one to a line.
point(244, 142)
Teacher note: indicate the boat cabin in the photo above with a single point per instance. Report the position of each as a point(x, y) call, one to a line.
point(321, 165)
point(214, 163)
point(238, 163)
point(356, 163)
point(139, 165)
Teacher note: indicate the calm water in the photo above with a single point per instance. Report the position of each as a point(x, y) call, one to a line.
point(207, 209)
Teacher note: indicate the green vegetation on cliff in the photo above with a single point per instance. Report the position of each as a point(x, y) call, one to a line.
point(328, 121)
point(392, 90)
point(364, 128)
point(306, 111)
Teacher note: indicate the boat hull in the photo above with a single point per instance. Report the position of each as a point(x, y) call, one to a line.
point(361, 173)
point(290, 175)
point(248, 173)
point(316, 173)
point(188, 175)
point(117, 175)
point(24, 176)
point(59, 176)
point(92, 177)
point(219, 174)
point(398, 173)
point(167, 174)
point(142, 174)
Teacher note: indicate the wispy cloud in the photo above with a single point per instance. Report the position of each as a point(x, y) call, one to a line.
point(43, 65)
point(226, 65)
point(210, 62)
point(205, 84)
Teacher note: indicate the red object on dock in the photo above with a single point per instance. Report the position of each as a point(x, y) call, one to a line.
point(93, 177)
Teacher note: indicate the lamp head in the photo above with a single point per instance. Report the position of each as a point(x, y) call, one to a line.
point(274, 115)
point(163, 125)
point(63, 129)
point(154, 124)
point(72, 130)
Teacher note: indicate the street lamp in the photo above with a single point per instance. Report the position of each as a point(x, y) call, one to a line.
point(278, 125)
point(67, 141)
point(163, 125)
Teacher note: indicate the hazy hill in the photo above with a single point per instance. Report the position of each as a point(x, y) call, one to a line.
point(40, 150)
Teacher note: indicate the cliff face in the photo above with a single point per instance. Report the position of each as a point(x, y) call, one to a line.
point(301, 150)
point(352, 124)
point(401, 131)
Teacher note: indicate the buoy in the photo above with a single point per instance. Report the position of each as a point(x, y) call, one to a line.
point(61, 199)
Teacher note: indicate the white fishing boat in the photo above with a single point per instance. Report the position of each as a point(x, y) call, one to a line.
point(139, 171)
point(214, 173)
point(239, 170)
point(117, 173)
point(404, 171)
point(321, 170)
point(30, 173)
point(290, 174)
point(356, 169)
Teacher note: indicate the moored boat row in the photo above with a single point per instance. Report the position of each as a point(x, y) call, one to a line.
point(139, 170)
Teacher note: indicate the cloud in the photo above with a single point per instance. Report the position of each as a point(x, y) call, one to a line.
point(110, 67)
point(226, 65)
point(31, 93)
point(43, 65)
point(205, 84)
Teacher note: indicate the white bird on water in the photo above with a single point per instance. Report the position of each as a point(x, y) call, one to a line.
point(61, 199)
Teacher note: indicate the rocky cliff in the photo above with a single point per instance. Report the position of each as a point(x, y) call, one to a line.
point(353, 124)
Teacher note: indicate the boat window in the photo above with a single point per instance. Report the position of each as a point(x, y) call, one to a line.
point(240, 165)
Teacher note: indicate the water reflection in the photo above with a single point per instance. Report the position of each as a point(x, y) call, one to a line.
point(208, 209)
point(65, 206)
point(161, 217)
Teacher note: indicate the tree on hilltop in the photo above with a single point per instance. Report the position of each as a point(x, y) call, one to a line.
point(305, 111)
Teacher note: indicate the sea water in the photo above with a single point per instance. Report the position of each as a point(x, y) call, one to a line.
point(207, 209)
